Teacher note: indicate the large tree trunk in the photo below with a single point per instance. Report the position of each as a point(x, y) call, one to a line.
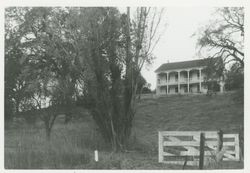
point(48, 133)
point(49, 119)
point(112, 95)
point(17, 107)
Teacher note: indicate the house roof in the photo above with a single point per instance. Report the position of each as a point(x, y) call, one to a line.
point(182, 64)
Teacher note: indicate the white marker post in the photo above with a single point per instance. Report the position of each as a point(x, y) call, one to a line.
point(96, 156)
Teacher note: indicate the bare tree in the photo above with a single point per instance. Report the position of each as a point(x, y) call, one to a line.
point(142, 35)
point(224, 37)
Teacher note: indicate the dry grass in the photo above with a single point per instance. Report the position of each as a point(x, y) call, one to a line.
point(72, 145)
point(28, 148)
point(183, 113)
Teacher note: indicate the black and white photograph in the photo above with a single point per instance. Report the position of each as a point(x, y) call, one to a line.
point(123, 87)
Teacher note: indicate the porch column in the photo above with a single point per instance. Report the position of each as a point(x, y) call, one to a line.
point(157, 88)
point(200, 79)
point(188, 80)
point(221, 85)
point(179, 82)
point(167, 82)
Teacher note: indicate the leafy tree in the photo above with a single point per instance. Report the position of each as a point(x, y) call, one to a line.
point(234, 78)
point(14, 84)
point(141, 84)
point(146, 89)
point(94, 52)
point(47, 63)
point(115, 50)
point(56, 61)
point(214, 73)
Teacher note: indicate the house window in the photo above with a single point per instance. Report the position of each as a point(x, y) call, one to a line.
point(176, 89)
point(176, 77)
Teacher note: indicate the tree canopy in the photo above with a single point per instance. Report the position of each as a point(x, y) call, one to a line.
point(224, 37)
point(223, 42)
point(53, 56)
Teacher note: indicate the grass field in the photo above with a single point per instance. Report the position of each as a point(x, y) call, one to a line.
point(72, 145)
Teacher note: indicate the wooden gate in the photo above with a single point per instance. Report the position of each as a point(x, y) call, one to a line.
point(178, 147)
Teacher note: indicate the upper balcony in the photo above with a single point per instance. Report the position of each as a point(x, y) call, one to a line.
point(196, 80)
point(181, 81)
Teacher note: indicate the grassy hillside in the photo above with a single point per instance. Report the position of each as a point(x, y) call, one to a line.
point(196, 112)
point(72, 145)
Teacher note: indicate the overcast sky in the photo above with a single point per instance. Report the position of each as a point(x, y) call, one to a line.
point(177, 44)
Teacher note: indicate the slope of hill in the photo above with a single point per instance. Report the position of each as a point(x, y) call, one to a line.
point(72, 145)
point(184, 113)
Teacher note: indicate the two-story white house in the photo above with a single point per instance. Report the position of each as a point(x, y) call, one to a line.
point(182, 78)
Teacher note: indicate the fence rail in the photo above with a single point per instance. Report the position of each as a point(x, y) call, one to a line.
point(178, 147)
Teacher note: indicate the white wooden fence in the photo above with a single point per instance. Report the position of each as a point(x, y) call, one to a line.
point(178, 147)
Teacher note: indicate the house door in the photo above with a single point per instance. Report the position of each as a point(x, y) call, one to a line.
point(185, 89)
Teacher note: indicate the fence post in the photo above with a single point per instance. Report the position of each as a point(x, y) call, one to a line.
point(237, 147)
point(241, 141)
point(160, 147)
point(202, 144)
point(220, 141)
